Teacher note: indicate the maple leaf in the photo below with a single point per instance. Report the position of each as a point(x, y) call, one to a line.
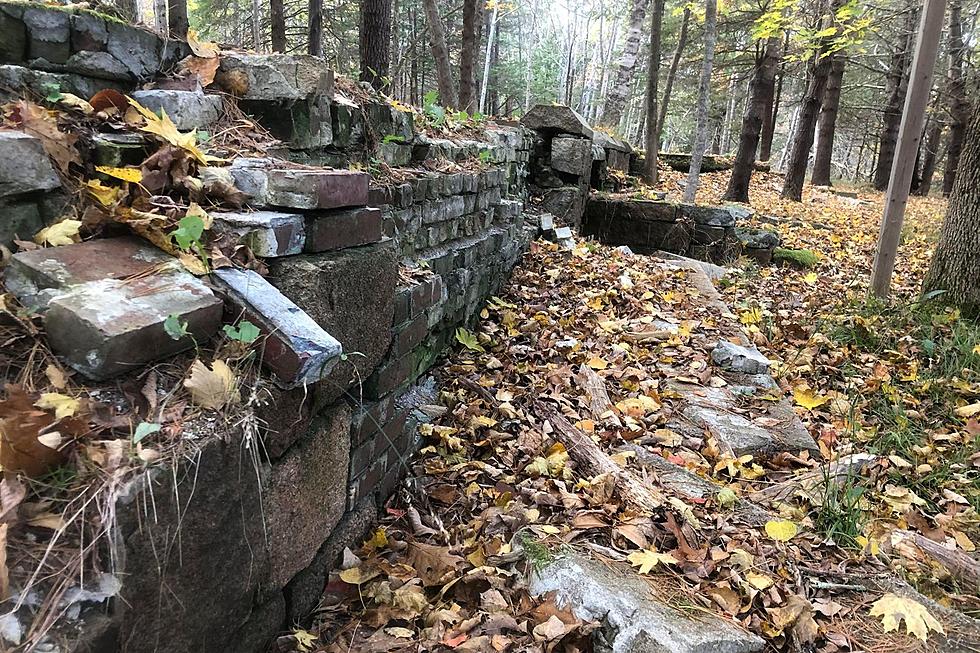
point(808, 399)
point(647, 559)
point(63, 405)
point(43, 124)
point(60, 233)
point(305, 640)
point(212, 388)
point(204, 49)
point(893, 608)
point(204, 67)
point(781, 530)
point(104, 195)
point(468, 340)
point(165, 128)
point(133, 175)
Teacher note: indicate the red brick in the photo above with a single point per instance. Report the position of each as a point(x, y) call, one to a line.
point(330, 230)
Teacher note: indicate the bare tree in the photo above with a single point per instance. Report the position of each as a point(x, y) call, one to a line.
point(440, 53)
point(315, 24)
point(827, 123)
point(277, 25)
point(619, 91)
point(896, 86)
point(469, 52)
point(177, 18)
point(653, 78)
point(672, 72)
point(959, 107)
point(704, 94)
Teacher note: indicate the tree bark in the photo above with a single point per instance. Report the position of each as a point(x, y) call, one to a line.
point(818, 73)
point(827, 124)
point(653, 78)
point(375, 41)
point(440, 53)
point(957, 255)
point(616, 97)
point(930, 155)
point(177, 18)
point(959, 107)
point(316, 28)
point(761, 90)
point(704, 92)
point(672, 72)
point(469, 53)
point(769, 118)
point(897, 86)
point(277, 20)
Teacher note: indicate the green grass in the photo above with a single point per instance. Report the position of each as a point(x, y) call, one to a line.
point(841, 516)
point(803, 258)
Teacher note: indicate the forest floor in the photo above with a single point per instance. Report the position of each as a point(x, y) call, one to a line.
point(494, 493)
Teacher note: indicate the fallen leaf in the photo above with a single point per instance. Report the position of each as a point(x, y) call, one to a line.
point(63, 405)
point(647, 559)
point(132, 175)
point(212, 388)
point(200, 48)
point(781, 530)
point(60, 233)
point(970, 410)
point(806, 398)
point(893, 608)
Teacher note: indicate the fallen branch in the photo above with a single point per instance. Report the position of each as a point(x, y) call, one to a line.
point(813, 484)
point(594, 461)
point(595, 388)
point(917, 547)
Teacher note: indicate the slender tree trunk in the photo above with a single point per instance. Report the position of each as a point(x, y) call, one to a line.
point(316, 28)
point(160, 17)
point(375, 41)
point(897, 86)
point(440, 53)
point(959, 107)
point(761, 90)
point(827, 123)
point(957, 255)
point(491, 57)
point(469, 52)
point(934, 135)
point(653, 79)
point(177, 18)
point(256, 26)
point(618, 92)
point(725, 137)
point(672, 72)
point(819, 71)
point(277, 19)
point(769, 118)
point(704, 94)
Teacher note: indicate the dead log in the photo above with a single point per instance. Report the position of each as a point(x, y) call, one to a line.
point(813, 484)
point(915, 546)
point(594, 461)
point(595, 389)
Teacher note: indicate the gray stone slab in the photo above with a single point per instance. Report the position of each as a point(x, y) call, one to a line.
point(189, 110)
point(556, 118)
point(627, 604)
point(24, 165)
point(267, 233)
point(732, 430)
point(274, 76)
point(736, 358)
point(297, 349)
point(571, 155)
point(108, 327)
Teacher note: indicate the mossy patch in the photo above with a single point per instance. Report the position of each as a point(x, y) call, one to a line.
point(802, 258)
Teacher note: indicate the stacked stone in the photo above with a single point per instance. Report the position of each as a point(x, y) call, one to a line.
point(77, 51)
point(609, 154)
point(561, 162)
point(706, 233)
point(29, 187)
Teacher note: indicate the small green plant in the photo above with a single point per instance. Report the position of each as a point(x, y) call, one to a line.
point(485, 156)
point(245, 332)
point(174, 327)
point(432, 109)
point(393, 138)
point(144, 429)
point(803, 258)
point(840, 516)
point(537, 554)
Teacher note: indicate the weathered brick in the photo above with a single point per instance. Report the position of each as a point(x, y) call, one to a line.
point(267, 233)
point(296, 349)
point(408, 336)
point(389, 376)
point(331, 230)
point(108, 327)
point(267, 184)
point(403, 305)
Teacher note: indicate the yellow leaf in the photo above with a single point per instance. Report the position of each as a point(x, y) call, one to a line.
point(212, 388)
point(598, 363)
point(810, 278)
point(969, 410)
point(976, 350)
point(133, 175)
point(751, 316)
point(305, 640)
point(62, 405)
point(75, 102)
point(104, 195)
point(647, 559)
point(200, 48)
point(47, 520)
point(893, 608)
point(758, 581)
point(60, 233)
point(781, 530)
point(357, 575)
point(165, 128)
point(378, 540)
point(806, 398)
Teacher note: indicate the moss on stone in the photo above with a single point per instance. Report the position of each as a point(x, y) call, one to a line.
point(803, 258)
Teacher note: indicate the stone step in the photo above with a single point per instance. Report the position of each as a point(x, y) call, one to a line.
point(635, 620)
point(295, 348)
point(269, 185)
point(189, 110)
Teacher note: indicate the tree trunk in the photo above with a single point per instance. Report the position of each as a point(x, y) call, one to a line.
point(827, 124)
point(704, 93)
point(769, 118)
point(375, 41)
point(818, 73)
point(761, 91)
point(957, 256)
point(653, 79)
point(616, 98)
point(959, 107)
point(931, 154)
point(897, 86)
point(256, 26)
point(672, 72)
point(277, 19)
point(160, 17)
point(440, 53)
point(316, 28)
point(469, 52)
point(177, 19)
